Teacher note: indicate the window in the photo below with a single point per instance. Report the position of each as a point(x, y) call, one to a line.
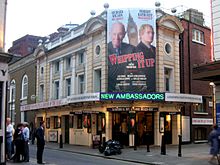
point(68, 63)
point(12, 90)
point(57, 122)
point(198, 36)
point(47, 122)
point(42, 70)
point(81, 84)
point(200, 133)
point(56, 89)
point(24, 92)
point(81, 57)
point(97, 50)
point(68, 87)
point(97, 80)
point(167, 79)
point(167, 48)
point(101, 123)
point(57, 66)
point(87, 122)
point(12, 101)
point(41, 93)
point(79, 121)
point(200, 107)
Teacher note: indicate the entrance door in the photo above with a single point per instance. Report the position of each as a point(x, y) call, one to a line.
point(67, 129)
point(120, 127)
point(145, 128)
point(168, 128)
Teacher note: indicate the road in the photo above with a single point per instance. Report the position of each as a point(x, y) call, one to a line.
point(56, 157)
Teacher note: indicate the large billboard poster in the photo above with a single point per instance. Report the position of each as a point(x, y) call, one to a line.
point(131, 50)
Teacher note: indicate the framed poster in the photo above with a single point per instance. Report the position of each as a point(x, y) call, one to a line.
point(53, 136)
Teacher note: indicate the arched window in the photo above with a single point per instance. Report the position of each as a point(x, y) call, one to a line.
point(12, 100)
point(12, 91)
point(24, 88)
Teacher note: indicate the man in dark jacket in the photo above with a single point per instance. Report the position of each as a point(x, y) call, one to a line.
point(40, 142)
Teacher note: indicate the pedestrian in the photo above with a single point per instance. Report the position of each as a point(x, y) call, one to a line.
point(40, 142)
point(214, 140)
point(9, 133)
point(26, 133)
point(19, 143)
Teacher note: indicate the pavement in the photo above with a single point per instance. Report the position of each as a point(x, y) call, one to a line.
point(191, 154)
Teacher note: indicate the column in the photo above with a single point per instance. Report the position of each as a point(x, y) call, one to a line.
point(61, 85)
point(51, 84)
point(73, 77)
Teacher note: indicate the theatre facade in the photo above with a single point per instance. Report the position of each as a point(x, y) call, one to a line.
point(80, 102)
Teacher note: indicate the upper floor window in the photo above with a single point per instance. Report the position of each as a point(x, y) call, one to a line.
point(57, 66)
point(168, 79)
point(12, 90)
point(97, 80)
point(42, 70)
point(68, 87)
point(81, 84)
point(81, 57)
point(24, 88)
point(201, 107)
point(41, 93)
point(68, 63)
point(198, 36)
point(56, 89)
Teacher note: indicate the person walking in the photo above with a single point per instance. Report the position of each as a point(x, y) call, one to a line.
point(40, 142)
point(9, 133)
point(19, 143)
point(214, 140)
point(26, 133)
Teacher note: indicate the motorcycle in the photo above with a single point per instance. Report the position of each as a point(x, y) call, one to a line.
point(110, 147)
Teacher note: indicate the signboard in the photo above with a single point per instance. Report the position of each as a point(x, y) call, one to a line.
point(202, 121)
point(179, 97)
point(54, 103)
point(131, 50)
point(133, 96)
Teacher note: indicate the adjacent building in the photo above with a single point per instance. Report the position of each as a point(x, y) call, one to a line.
point(210, 72)
point(195, 49)
point(4, 60)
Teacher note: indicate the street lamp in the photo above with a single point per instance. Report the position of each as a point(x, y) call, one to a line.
point(213, 102)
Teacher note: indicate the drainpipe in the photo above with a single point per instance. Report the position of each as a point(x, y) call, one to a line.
point(190, 77)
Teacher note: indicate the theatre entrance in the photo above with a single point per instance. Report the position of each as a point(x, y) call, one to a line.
point(120, 124)
point(145, 127)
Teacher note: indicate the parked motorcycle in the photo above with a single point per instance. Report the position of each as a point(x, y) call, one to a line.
point(110, 147)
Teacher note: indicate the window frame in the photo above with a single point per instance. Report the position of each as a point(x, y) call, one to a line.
point(56, 90)
point(198, 36)
point(24, 94)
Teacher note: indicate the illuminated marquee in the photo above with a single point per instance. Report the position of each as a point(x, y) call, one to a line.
point(133, 96)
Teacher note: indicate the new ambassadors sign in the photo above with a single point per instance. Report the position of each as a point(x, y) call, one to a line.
point(133, 96)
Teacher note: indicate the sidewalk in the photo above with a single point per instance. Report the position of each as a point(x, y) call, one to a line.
point(192, 154)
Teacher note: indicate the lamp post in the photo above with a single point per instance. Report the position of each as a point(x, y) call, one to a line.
point(213, 102)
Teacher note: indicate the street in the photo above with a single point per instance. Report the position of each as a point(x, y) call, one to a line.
point(56, 157)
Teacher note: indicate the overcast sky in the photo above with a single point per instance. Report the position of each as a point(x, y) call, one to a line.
point(43, 17)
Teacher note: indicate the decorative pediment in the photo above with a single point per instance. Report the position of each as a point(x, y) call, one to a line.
point(39, 51)
point(171, 22)
point(94, 24)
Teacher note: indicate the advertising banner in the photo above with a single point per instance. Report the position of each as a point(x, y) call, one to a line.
point(131, 50)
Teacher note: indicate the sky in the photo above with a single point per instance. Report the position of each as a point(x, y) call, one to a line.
point(43, 17)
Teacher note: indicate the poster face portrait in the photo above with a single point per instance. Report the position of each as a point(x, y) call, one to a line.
point(131, 50)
